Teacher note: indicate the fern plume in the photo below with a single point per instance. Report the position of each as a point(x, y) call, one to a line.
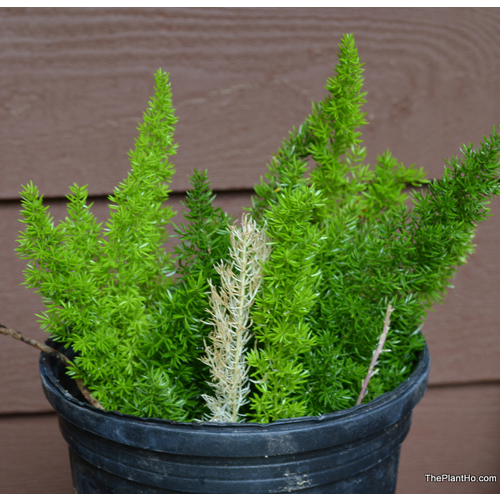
point(230, 309)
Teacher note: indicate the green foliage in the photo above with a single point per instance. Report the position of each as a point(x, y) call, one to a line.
point(183, 309)
point(405, 257)
point(344, 245)
point(101, 288)
point(373, 249)
point(333, 123)
point(206, 239)
point(288, 294)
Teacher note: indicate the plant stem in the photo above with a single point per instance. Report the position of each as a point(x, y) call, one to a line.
point(376, 353)
point(56, 354)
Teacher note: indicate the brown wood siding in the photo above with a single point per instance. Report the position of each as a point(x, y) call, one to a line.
point(34, 457)
point(74, 84)
point(455, 431)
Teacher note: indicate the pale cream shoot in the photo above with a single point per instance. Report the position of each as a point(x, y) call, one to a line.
point(230, 309)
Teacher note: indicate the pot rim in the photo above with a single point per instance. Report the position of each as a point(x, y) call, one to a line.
point(385, 413)
point(418, 378)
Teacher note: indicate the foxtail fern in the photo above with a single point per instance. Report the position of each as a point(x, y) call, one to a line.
point(344, 244)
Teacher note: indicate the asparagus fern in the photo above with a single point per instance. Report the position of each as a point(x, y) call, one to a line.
point(344, 247)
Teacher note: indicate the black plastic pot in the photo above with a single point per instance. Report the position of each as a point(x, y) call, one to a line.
point(349, 451)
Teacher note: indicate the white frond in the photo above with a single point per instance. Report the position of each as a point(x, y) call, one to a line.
point(230, 311)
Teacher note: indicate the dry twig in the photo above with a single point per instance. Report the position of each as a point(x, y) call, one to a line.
point(376, 354)
point(52, 352)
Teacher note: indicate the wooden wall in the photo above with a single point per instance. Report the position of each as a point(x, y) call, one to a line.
point(73, 85)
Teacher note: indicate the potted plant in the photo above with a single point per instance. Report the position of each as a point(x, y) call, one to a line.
point(280, 354)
